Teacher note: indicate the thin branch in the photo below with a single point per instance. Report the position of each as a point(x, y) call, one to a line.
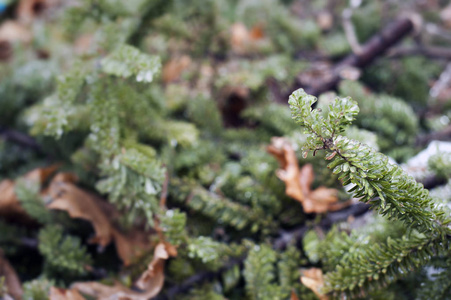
point(434, 29)
point(164, 190)
point(371, 50)
point(442, 82)
point(427, 51)
point(350, 32)
point(20, 138)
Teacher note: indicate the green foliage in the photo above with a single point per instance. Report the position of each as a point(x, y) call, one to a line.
point(89, 105)
point(12, 159)
point(439, 285)
point(211, 253)
point(204, 248)
point(440, 164)
point(27, 192)
point(386, 187)
point(399, 196)
point(411, 73)
point(367, 19)
point(260, 274)
point(321, 129)
point(63, 254)
point(274, 117)
point(126, 61)
point(376, 265)
point(220, 209)
point(37, 289)
point(10, 239)
point(205, 292)
point(286, 33)
point(288, 269)
point(133, 180)
point(392, 119)
point(3, 287)
point(231, 278)
point(28, 83)
point(335, 44)
point(173, 223)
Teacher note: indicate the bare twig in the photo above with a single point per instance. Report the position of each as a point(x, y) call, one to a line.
point(164, 190)
point(427, 51)
point(372, 49)
point(442, 82)
point(20, 138)
point(350, 33)
point(436, 30)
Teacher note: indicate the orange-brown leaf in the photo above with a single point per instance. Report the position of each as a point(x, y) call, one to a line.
point(149, 284)
point(294, 296)
point(174, 68)
point(78, 203)
point(314, 280)
point(12, 282)
point(298, 182)
point(28, 10)
point(62, 294)
point(12, 31)
point(9, 204)
point(239, 37)
point(256, 32)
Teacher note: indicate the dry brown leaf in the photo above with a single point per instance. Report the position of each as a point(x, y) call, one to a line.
point(298, 182)
point(62, 294)
point(12, 282)
point(132, 245)
point(174, 68)
point(314, 280)
point(294, 296)
point(9, 204)
point(12, 32)
point(239, 36)
point(78, 203)
point(28, 10)
point(63, 194)
point(84, 43)
point(445, 15)
point(256, 32)
point(243, 40)
point(150, 283)
point(325, 20)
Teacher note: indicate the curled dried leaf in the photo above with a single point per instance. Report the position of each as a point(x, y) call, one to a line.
point(80, 204)
point(243, 40)
point(314, 280)
point(325, 20)
point(299, 181)
point(12, 282)
point(147, 286)
point(293, 296)
point(64, 195)
point(174, 68)
point(12, 32)
point(28, 10)
point(63, 294)
point(9, 203)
